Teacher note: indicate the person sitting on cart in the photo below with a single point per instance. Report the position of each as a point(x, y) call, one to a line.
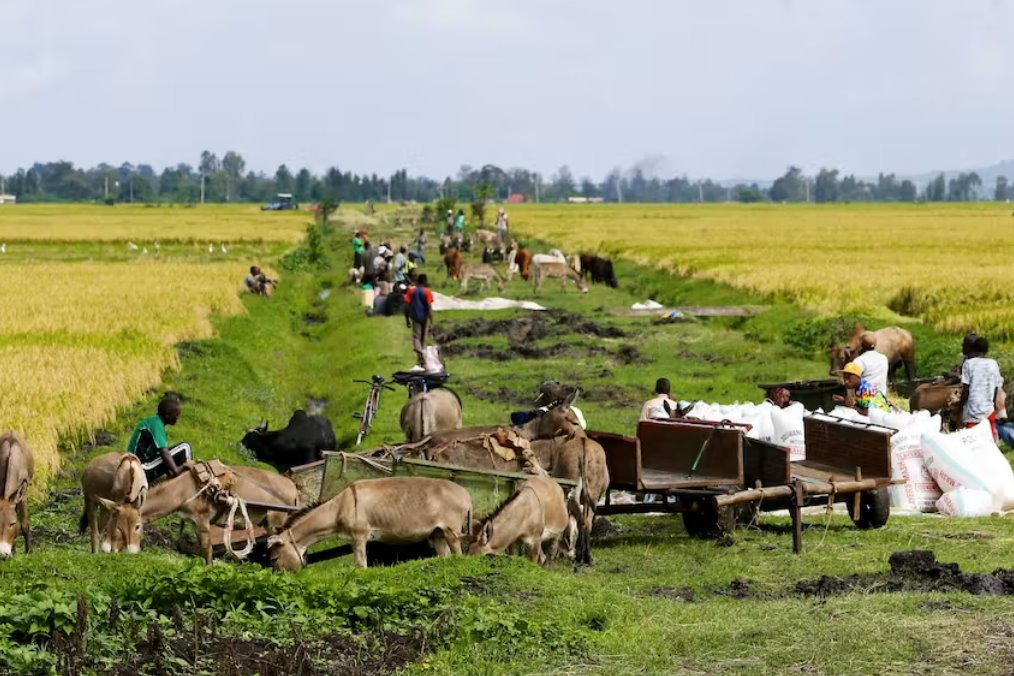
point(551, 393)
point(655, 408)
point(779, 397)
point(866, 395)
point(150, 443)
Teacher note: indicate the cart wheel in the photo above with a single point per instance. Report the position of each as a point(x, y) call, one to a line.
point(874, 509)
point(702, 520)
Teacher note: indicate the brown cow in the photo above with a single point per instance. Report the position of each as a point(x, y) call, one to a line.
point(942, 397)
point(522, 263)
point(453, 262)
point(894, 343)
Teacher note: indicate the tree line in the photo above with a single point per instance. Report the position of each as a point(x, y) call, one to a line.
point(228, 179)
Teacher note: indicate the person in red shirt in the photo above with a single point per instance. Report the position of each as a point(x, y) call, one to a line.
point(418, 316)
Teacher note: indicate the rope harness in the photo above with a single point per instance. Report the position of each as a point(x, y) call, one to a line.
point(217, 480)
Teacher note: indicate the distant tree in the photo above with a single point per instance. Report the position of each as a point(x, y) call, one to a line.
point(748, 194)
point(483, 193)
point(790, 187)
point(825, 186)
point(936, 190)
point(563, 185)
point(588, 188)
point(1002, 191)
point(283, 179)
point(907, 191)
point(233, 166)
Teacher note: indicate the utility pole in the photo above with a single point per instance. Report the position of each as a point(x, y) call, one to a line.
point(700, 192)
point(202, 188)
point(619, 189)
point(537, 181)
point(106, 195)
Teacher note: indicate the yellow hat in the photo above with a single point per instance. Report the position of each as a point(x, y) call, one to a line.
point(853, 368)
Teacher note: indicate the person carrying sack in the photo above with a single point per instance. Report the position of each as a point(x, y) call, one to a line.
point(418, 316)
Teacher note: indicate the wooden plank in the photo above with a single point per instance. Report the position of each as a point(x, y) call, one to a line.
point(765, 463)
point(623, 459)
point(846, 447)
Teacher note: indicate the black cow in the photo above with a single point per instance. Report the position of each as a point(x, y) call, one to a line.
point(300, 443)
point(600, 270)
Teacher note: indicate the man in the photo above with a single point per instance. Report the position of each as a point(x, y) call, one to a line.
point(655, 408)
point(418, 316)
point(459, 225)
point(867, 396)
point(551, 393)
point(400, 264)
point(980, 381)
point(150, 443)
point(501, 228)
point(450, 222)
point(357, 250)
point(873, 363)
point(257, 282)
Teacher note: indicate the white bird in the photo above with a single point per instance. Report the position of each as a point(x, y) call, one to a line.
point(131, 245)
point(224, 250)
point(3, 247)
point(157, 247)
point(145, 250)
point(211, 249)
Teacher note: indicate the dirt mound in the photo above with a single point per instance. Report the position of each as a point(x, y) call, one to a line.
point(604, 528)
point(675, 593)
point(913, 571)
point(524, 330)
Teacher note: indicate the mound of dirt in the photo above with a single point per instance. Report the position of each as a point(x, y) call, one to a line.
point(913, 571)
point(524, 330)
point(675, 593)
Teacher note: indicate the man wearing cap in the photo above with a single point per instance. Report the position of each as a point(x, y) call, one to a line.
point(873, 363)
point(655, 407)
point(866, 395)
point(551, 393)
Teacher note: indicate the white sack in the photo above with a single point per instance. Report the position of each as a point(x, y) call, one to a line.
point(966, 502)
point(787, 425)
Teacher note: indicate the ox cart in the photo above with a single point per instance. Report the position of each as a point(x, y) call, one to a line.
point(708, 471)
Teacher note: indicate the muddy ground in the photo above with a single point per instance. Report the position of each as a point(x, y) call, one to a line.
point(524, 333)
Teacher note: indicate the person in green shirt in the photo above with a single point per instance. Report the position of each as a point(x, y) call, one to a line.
point(357, 249)
point(150, 443)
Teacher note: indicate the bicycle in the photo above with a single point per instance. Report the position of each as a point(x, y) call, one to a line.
point(376, 383)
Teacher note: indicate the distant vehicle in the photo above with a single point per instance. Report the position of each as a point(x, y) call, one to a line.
point(283, 202)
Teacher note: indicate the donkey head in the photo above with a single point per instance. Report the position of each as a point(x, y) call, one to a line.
point(124, 526)
point(283, 553)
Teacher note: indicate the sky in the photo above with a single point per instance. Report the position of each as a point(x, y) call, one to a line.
point(719, 88)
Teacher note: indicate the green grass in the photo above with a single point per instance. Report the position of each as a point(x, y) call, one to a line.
point(625, 614)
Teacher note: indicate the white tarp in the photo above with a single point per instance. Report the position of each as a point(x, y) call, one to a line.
point(442, 302)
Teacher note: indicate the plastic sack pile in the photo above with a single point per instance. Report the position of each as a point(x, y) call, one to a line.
point(957, 474)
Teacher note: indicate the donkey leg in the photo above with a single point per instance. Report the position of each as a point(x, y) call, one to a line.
point(551, 549)
point(26, 526)
point(359, 547)
point(204, 538)
point(439, 543)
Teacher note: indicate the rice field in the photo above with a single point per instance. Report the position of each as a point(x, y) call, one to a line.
point(88, 329)
point(148, 224)
point(946, 264)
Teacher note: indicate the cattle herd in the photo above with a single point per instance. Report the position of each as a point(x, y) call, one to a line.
point(521, 261)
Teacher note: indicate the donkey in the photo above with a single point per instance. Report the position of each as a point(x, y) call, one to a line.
point(536, 515)
point(559, 420)
point(111, 481)
point(396, 510)
point(17, 467)
point(186, 494)
point(428, 412)
point(480, 271)
point(561, 271)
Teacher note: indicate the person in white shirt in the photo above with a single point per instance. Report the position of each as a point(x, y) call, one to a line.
point(980, 381)
point(874, 364)
point(655, 408)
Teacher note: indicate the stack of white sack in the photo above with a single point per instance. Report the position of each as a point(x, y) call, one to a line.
point(920, 492)
point(781, 426)
point(969, 461)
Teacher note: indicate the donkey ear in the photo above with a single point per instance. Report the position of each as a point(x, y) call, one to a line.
point(263, 427)
point(569, 400)
point(109, 505)
point(487, 532)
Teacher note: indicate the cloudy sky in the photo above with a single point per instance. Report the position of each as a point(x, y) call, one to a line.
point(718, 88)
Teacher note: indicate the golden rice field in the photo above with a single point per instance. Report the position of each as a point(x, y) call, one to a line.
point(100, 223)
point(80, 339)
point(947, 264)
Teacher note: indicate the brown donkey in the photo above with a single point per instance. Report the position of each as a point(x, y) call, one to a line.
point(17, 466)
point(536, 515)
point(397, 510)
point(110, 482)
